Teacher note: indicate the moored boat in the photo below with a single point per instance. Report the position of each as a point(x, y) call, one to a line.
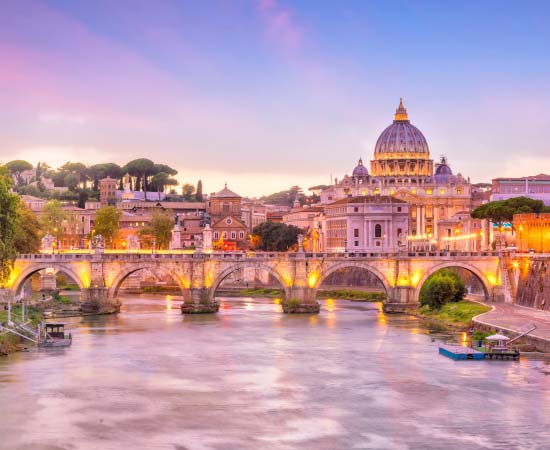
point(55, 336)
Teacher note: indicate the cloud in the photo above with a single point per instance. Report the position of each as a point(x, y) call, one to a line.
point(281, 29)
point(60, 119)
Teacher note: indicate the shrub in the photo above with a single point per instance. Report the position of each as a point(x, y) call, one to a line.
point(442, 287)
point(292, 303)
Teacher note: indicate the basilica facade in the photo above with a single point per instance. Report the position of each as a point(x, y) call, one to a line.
point(403, 168)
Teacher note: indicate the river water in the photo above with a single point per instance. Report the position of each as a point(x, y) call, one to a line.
point(252, 377)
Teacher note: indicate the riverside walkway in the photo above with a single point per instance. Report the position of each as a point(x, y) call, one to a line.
point(517, 319)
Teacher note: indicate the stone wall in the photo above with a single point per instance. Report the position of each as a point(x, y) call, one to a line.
point(533, 288)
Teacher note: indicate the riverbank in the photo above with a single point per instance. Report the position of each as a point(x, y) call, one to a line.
point(514, 320)
point(10, 343)
point(343, 294)
point(456, 315)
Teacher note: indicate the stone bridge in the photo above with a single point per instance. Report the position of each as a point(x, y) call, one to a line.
point(198, 275)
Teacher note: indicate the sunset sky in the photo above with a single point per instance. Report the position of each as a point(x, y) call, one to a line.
point(271, 93)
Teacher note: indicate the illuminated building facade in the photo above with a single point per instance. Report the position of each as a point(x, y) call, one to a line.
point(402, 168)
point(536, 187)
point(365, 224)
point(228, 229)
point(532, 232)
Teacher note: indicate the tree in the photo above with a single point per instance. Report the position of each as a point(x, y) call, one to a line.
point(166, 169)
point(8, 225)
point(286, 198)
point(79, 170)
point(278, 237)
point(52, 219)
point(71, 181)
point(161, 180)
point(442, 287)
point(99, 171)
point(501, 211)
point(160, 230)
point(187, 191)
point(141, 169)
point(107, 220)
point(27, 233)
point(198, 194)
point(16, 167)
point(82, 199)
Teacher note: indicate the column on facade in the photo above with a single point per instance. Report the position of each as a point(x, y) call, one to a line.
point(389, 233)
point(418, 220)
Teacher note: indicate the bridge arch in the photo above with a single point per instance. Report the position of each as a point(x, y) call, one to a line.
point(132, 268)
point(354, 264)
point(487, 286)
point(242, 265)
point(29, 271)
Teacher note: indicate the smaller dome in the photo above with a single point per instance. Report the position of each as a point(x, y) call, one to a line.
point(360, 170)
point(443, 172)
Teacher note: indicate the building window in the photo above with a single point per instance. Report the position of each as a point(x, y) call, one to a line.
point(216, 235)
point(224, 235)
point(233, 235)
point(225, 207)
point(458, 191)
point(356, 243)
point(378, 231)
point(429, 191)
point(399, 231)
point(399, 209)
point(355, 209)
point(228, 221)
point(378, 243)
point(356, 232)
point(442, 192)
point(241, 234)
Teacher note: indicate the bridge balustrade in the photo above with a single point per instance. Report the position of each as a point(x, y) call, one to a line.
point(254, 255)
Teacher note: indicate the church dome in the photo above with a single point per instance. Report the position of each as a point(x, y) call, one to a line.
point(401, 151)
point(401, 136)
point(360, 170)
point(443, 172)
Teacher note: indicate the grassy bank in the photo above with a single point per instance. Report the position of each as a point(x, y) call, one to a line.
point(254, 292)
point(456, 314)
point(351, 294)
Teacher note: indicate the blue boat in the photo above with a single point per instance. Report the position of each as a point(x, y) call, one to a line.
point(459, 352)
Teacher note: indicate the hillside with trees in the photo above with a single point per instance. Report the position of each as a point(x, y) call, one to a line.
point(79, 182)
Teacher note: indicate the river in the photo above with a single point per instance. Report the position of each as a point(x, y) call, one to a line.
point(252, 377)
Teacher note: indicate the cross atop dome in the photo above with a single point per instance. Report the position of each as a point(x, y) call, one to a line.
point(401, 113)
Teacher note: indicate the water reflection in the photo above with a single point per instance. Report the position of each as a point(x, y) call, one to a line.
point(251, 377)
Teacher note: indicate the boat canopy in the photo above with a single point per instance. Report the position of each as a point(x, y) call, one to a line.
point(497, 337)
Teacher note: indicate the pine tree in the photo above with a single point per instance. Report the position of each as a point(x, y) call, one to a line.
point(198, 195)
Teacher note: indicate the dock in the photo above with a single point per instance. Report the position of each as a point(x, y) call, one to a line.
point(459, 352)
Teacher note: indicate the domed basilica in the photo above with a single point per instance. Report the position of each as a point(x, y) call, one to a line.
point(402, 168)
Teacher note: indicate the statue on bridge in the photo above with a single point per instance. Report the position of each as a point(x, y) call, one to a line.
point(98, 243)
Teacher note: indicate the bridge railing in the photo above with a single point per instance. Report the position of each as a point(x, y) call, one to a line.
point(236, 256)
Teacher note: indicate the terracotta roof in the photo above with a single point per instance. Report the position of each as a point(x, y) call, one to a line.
point(226, 193)
point(310, 209)
point(368, 199)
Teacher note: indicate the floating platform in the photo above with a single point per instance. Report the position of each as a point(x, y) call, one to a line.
point(503, 355)
point(458, 352)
